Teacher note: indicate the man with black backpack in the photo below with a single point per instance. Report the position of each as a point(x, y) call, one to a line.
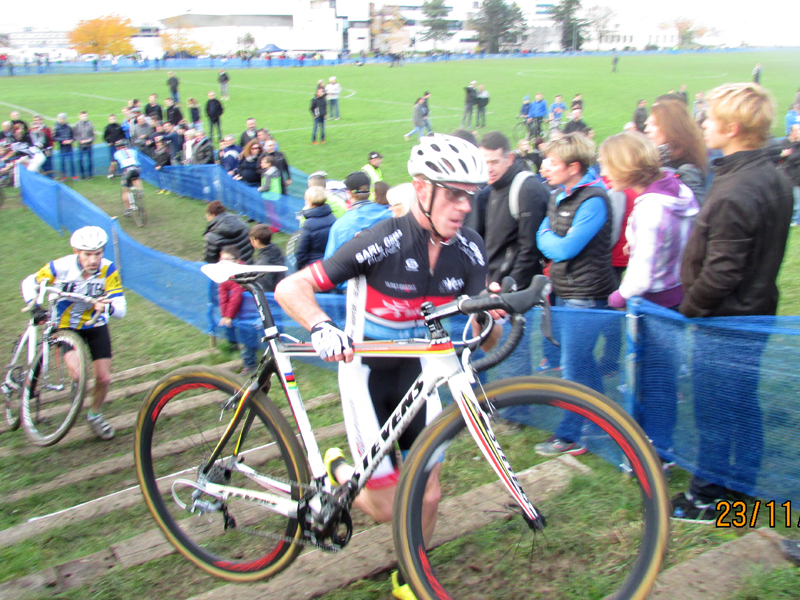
point(517, 205)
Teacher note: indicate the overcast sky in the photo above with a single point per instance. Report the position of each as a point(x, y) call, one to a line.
point(774, 23)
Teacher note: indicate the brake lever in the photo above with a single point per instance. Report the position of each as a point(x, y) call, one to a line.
point(547, 323)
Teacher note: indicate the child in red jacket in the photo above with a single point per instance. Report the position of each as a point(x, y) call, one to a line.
point(230, 301)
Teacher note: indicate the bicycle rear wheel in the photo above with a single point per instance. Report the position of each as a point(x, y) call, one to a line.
point(180, 423)
point(606, 532)
point(55, 388)
point(137, 208)
point(13, 383)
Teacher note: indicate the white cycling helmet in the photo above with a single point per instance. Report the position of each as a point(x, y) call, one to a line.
point(89, 238)
point(446, 158)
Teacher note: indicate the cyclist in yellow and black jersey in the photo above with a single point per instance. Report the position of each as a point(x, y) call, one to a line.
point(86, 272)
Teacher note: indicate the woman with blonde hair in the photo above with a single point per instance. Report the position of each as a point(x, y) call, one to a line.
point(400, 198)
point(680, 144)
point(657, 232)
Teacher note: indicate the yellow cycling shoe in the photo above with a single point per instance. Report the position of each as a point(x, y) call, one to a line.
point(401, 592)
point(333, 458)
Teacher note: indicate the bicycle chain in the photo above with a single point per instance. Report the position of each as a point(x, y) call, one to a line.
point(287, 539)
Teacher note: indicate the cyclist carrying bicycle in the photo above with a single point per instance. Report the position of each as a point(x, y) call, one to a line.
point(86, 272)
point(395, 266)
point(128, 159)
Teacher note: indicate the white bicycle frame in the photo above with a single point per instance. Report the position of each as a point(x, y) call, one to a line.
point(441, 366)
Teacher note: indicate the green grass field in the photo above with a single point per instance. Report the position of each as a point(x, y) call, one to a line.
point(376, 108)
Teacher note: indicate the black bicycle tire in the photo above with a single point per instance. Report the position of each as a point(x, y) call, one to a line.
point(291, 452)
point(520, 132)
point(409, 546)
point(13, 413)
point(139, 213)
point(61, 336)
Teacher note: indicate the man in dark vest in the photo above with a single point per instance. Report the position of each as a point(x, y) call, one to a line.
point(576, 236)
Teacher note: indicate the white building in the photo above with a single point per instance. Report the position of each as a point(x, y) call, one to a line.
point(30, 43)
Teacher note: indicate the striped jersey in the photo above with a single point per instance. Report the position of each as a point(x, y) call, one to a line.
point(66, 273)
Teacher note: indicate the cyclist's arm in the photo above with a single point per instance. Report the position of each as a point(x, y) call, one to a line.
point(113, 295)
point(30, 285)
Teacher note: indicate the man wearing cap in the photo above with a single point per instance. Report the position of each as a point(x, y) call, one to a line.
point(470, 99)
point(373, 171)
point(362, 212)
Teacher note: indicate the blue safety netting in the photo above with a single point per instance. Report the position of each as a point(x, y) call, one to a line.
point(129, 64)
point(717, 396)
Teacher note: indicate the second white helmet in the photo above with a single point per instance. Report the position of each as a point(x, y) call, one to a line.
point(446, 158)
point(90, 238)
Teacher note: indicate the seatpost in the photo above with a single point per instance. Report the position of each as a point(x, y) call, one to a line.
point(263, 310)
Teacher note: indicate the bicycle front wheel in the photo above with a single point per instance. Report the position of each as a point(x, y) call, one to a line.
point(55, 387)
point(138, 210)
point(520, 131)
point(606, 531)
point(180, 423)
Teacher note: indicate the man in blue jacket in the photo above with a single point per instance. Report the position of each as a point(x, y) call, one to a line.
point(537, 114)
point(576, 237)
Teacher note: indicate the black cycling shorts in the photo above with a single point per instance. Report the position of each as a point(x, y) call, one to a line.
point(128, 175)
point(98, 339)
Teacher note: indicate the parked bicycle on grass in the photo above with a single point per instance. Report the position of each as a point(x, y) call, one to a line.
point(264, 495)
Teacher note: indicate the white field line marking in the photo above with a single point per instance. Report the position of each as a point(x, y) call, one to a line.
point(27, 110)
point(409, 105)
point(99, 97)
point(133, 487)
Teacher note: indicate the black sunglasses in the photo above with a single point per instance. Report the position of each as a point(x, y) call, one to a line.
point(460, 195)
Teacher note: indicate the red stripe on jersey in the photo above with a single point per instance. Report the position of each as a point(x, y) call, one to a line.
point(400, 310)
point(320, 277)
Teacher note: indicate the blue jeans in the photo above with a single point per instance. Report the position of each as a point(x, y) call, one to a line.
point(85, 161)
point(175, 97)
point(67, 161)
point(796, 212)
point(319, 123)
point(579, 334)
point(334, 108)
point(428, 128)
point(727, 411)
point(416, 131)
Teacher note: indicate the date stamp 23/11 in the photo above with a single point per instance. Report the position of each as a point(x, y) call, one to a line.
point(738, 514)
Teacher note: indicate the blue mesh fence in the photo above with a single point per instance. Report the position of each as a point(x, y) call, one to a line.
point(718, 395)
point(126, 64)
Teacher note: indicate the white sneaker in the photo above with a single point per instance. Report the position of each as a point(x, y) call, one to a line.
point(100, 427)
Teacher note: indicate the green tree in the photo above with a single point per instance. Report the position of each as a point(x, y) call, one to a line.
point(436, 21)
point(565, 13)
point(498, 23)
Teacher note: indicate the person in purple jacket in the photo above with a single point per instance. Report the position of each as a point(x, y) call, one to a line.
point(657, 232)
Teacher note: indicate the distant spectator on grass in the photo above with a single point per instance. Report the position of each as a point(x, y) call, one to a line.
point(223, 79)
point(173, 82)
point(174, 114)
point(318, 109)
point(418, 120)
point(640, 115)
point(84, 135)
point(470, 99)
point(279, 160)
point(64, 136)
point(332, 92)
point(481, 102)
point(229, 155)
point(250, 165)
point(112, 134)
point(152, 109)
point(224, 229)
point(214, 112)
point(194, 114)
point(249, 134)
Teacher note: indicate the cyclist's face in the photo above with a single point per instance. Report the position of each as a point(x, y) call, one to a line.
point(450, 207)
point(90, 259)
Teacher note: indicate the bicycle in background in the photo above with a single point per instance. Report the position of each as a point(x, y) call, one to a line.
point(240, 495)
